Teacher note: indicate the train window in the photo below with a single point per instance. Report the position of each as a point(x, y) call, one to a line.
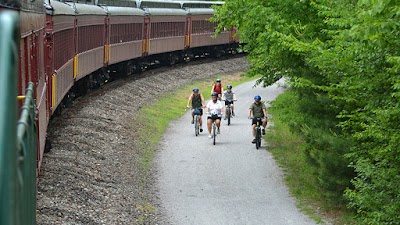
point(63, 47)
point(167, 29)
point(203, 27)
point(125, 32)
point(88, 38)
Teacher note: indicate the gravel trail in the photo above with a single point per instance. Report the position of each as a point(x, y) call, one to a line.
point(227, 183)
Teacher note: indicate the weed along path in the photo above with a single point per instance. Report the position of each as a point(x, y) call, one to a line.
point(227, 183)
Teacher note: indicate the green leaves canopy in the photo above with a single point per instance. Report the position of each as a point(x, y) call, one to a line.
point(342, 58)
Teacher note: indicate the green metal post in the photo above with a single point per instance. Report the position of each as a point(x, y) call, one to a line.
point(26, 168)
point(9, 39)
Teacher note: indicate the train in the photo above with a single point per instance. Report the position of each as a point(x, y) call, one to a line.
point(67, 48)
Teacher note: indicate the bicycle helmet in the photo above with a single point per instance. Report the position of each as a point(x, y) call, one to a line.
point(218, 80)
point(257, 98)
point(195, 90)
point(214, 94)
point(229, 86)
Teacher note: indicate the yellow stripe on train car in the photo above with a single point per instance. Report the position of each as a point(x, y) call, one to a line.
point(108, 53)
point(53, 90)
point(75, 66)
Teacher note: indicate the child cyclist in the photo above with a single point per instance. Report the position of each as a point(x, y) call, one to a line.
point(229, 97)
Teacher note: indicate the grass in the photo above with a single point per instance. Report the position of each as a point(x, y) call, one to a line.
point(288, 151)
point(172, 106)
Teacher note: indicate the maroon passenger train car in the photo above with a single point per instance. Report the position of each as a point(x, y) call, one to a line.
point(68, 48)
point(31, 60)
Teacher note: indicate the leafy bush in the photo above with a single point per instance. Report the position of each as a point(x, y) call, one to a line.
point(343, 61)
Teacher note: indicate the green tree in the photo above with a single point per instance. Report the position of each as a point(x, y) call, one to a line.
point(342, 59)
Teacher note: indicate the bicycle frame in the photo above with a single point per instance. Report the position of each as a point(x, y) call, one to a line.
point(258, 132)
point(196, 124)
point(214, 131)
point(214, 126)
point(228, 113)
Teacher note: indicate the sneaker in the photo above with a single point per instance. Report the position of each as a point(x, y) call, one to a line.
point(193, 121)
point(263, 131)
point(254, 141)
point(218, 131)
point(209, 136)
point(233, 114)
point(201, 129)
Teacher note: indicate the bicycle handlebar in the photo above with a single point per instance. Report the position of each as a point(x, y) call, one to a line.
point(251, 117)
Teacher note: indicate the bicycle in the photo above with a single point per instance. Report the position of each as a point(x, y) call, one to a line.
point(196, 113)
point(214, 129)
point(258, 132)
point(229, 111)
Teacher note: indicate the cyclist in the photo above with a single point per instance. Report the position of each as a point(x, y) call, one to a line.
point(218, 88)
point(214, 110)
point(229, 96)
point(198, 103)
point(258, 111)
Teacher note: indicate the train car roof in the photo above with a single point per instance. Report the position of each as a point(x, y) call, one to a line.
point(200, 11)
point(200, 4)
point(124, 11)
point(165, 12)
point(159, 4)
point(88, 9)
point(54, 7)
point(120, 3)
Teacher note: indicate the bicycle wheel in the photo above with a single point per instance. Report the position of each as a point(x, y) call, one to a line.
point(196, 125)
point(258, 137)
point(214, 132)
point(228, 114)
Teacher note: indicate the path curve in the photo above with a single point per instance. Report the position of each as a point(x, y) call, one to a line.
point(229, 183)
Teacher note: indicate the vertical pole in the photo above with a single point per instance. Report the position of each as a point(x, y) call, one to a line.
point(9, 39)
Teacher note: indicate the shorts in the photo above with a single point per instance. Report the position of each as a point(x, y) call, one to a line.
point(228, 102)
point(198, 112)
point(214, 117)
point(254, 121)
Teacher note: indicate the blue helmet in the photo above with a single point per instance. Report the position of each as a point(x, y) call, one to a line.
point(257, 98)
point(195, 89)
point(229, 86)
point(214, 94)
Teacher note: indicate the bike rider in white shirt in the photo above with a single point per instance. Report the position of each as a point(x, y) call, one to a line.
point(214, 110)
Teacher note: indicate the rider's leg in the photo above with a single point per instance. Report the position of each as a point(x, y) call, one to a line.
point(201, 123)
point(192, 117)
point(233, 113)
point(264, 122)
point(218, 123)
point(254, 133)
point(209, 122)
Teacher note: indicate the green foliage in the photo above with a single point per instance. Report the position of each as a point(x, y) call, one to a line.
point(342, 59)
point(289, 149)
